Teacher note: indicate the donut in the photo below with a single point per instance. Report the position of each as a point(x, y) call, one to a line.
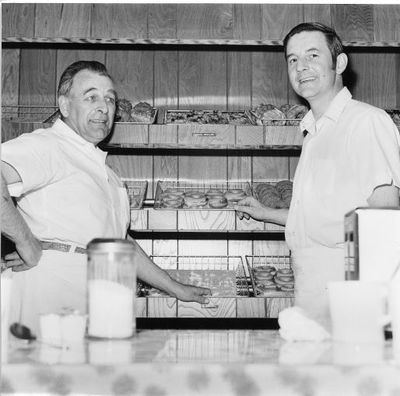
point(284, 278)
point(195, 199)
point(174, 191)
point(264, 277)
point(264, 268)
point(172, 201)
point(217, 202)
point(285, 271)
point(282, 282)
point(213, 192)
point(287, 288)
point(235, 195)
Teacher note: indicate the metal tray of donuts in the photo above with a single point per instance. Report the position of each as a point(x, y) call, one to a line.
point(271, 276)
point(137, 190)
point(200, 196)
point(224, 275)
point(239, 117)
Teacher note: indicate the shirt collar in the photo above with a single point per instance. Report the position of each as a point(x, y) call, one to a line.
point(61, 127)
point(334, 111)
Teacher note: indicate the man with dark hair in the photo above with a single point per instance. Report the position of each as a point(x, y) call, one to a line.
point(66, 196)
point(350, 158)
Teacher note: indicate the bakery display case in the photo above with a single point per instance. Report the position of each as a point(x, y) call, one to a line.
point(219, 108)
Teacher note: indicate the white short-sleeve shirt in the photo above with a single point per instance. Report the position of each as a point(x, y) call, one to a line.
point(68, 193)
point(352, 149)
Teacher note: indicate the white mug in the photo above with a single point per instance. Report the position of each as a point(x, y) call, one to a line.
point(358, 311)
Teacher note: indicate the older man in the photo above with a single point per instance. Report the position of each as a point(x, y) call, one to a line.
point(66, 196)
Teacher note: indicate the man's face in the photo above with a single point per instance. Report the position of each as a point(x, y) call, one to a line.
point(310, 65)
point(90, 106)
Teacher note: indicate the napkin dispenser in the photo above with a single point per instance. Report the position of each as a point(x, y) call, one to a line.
point(372, 243)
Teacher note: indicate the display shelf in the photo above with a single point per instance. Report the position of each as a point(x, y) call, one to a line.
point(183, 42)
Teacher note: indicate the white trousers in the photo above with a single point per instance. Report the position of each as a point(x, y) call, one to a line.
point(58, 281)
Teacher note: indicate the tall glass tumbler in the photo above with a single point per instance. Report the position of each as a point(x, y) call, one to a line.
point(111, 288)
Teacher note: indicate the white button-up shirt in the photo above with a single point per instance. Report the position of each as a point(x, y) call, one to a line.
point(347, 153)
point(68, 193)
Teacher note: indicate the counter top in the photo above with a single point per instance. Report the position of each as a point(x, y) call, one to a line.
point(200, 362)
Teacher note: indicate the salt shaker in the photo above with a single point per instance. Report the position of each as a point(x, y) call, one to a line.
point(111, 288)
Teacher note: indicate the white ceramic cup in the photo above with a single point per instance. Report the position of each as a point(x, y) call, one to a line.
point(358, 311)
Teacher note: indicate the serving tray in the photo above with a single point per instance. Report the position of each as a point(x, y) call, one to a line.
point(258, 262)
point(164, 187)
point(240, 117)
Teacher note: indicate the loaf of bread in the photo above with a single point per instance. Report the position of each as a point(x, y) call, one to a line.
point(142, 112)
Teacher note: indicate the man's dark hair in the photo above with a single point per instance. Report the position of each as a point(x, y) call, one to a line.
point(334, 42)
point(65, 84)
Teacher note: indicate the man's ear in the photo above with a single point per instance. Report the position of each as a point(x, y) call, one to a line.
point(63, 105)
point(341, 63)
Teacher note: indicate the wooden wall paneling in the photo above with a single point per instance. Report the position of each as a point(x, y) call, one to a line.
point(74, 20)
point(202, 80)
point(133, 74)
point(317, 13)
point(205, 21)
point(136, 166)
point(247, 21)
point(270, 248)
point(278, 19)
point(125, 132)
point(211, 247)
point(166, 79)
point(217, 308)
point(10, 59)
point(139, 220)
point(161, 307)
point(239, 80)
point(47, 19)
point(378, 89)
point(219, 220)
point(141, 307)
point(119, 21)
point(165, 247)
point(386, 22)
point(251, 307)
point(293, 161)
point(66, 57)
point(353, 21)
point(162, 21)
point(270, 83)
point(17, 20)
point(37, 77)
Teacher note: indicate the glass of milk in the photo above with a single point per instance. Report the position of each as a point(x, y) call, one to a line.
point(111, 288)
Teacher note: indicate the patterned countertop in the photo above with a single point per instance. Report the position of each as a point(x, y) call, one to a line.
point(201, 362)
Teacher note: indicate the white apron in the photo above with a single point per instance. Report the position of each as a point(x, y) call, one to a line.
point(58, 281)
point(313, 269)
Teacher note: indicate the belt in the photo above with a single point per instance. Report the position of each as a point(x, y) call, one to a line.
point(62, 247)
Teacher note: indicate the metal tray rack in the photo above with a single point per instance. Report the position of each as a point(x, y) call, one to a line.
point(200, 264)
point(208, 117)
point(137, 190)
point(279, 262)
point(202, 187)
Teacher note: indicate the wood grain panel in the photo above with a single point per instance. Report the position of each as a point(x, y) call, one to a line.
point(166, 79)
point(141, 307)
point(293, 162)
point(37, 77)
point(74, 20)
point(239, 80)
point(270, 84)
point(378, 89)
point(353, 21)
point(165, 247)
point(206, 135)
point(217, 308)
point(47, 19)
point(162, 21)
point(283, 135)
point(249, 135)
point(270, 168)
point(278, 19)
point(203, 247)
point(202, 168)
point(125, 132)
point(239, 168)
point(276, 305)
point(205, 21)
point(386, 22)
point(139, 220)
point(202, 80)
point(17, 20)
point(161, 307)
point(247, 21)
point(206, 220)
point(133, 74)
point(163, 220)
point(251, 307)
point(317, 13)
point(66, 57)
point(270, 248)
point(119, 20)
point(10, 76)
